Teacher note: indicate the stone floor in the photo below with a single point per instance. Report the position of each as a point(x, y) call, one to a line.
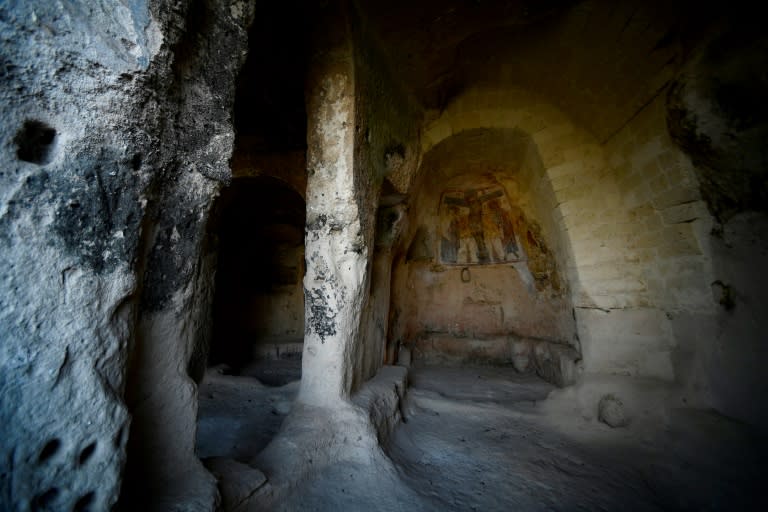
point(481, 439)
point(239, 415)
point(274, 372)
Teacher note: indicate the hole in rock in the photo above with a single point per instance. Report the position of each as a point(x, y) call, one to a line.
point(35, 142)
point(136, 161)
point(45, 499)
point(49, 450)
point(84, 503)
point(87, 453)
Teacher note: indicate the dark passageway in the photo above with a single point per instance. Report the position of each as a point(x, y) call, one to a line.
point(258, 307)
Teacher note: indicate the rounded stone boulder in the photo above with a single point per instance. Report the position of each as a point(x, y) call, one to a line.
point(610, 411)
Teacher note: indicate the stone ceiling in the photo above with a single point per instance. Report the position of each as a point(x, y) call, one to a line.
point(598, 60)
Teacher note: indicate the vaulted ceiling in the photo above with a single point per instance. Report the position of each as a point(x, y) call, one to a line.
point(598, 60)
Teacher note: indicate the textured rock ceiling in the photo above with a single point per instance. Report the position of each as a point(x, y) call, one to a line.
point(598, 60)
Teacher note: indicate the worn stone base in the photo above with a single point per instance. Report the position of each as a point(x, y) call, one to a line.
point(237, 481)
point(312, 438)
point(382, 397)
point(555, 362)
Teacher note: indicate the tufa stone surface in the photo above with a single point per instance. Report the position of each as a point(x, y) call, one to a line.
point(173, 324)
point(72, 189)
point(113, 143)
point(716, 114)
point(610, 411)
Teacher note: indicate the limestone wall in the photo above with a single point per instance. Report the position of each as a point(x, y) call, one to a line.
point(563, 191)
point(386, 147)
point(71, 190)
point(593, 227)
point(287, 166)
point(644, 258)
point(115, 137)
point(590, 229)
point(174, 318)
point(693, 268)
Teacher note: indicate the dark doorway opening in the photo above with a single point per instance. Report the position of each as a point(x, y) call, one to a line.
point(258, 308)
point(258, 319)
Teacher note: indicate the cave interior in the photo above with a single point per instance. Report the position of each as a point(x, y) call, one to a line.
point(366, 255)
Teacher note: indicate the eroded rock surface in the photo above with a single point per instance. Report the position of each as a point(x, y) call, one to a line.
point(610, 411)
point(114, 141)
point(717, 116)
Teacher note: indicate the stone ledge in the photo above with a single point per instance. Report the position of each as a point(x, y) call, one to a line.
point(382, 397)
point(557, 363)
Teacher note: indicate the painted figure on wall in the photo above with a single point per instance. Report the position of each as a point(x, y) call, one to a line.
point(476, 227)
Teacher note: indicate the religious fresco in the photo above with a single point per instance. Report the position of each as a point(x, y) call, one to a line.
point(477, 227)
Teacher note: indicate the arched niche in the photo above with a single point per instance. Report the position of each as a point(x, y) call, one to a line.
point(478, 276)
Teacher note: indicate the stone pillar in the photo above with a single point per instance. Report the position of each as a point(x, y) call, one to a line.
point(177, 265)
point(336, 253)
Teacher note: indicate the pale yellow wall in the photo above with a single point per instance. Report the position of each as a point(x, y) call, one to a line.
point(613, 214)
point(657, 185)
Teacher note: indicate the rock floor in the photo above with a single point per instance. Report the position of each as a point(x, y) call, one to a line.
point(478, 439)
point(238, 414)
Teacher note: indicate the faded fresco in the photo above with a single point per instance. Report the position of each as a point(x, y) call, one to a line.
point(476, 227)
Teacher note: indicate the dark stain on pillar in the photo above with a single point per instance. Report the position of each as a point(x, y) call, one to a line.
point(322, 318)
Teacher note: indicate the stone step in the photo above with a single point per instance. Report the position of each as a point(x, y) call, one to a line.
point(557, 363)
point(280, 348)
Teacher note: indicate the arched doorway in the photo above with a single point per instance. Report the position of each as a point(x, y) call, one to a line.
point(254, 360)
point(258, 310)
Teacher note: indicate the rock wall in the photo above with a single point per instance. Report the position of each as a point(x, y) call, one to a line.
point(73, 189)
point(585, 222)
point(115, 137)
point(689, 170)
point(632, 207)
point(642, 221)
point(693, 268)
point(387, 121)
point(174, 316)
point(715, 114)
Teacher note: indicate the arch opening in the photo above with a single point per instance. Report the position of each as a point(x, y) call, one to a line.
point(478, 277)
point(258, 308)
point(254, 358)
